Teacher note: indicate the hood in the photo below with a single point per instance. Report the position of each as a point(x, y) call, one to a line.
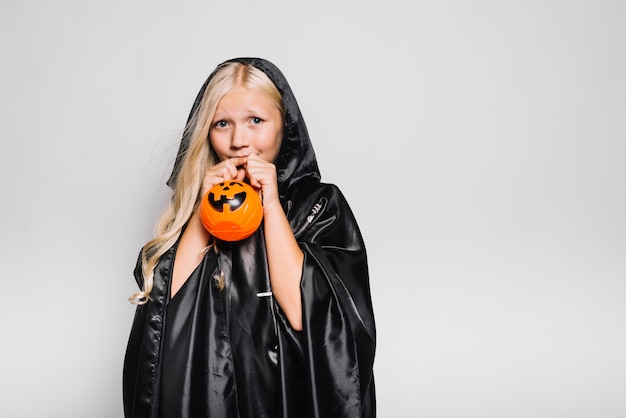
point(296, 160)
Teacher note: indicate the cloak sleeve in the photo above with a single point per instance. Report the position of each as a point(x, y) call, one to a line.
point(338, 340)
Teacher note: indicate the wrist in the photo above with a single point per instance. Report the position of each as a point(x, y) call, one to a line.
point(271, 207)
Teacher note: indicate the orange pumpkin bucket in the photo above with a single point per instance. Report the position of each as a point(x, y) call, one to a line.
point(231, 210)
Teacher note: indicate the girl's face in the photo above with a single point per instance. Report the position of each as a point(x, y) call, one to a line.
point(246, 122)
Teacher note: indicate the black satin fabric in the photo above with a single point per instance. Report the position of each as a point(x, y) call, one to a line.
point(258, 365)
point(194, 367)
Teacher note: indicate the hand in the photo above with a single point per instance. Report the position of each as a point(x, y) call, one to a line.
point(231, 169)
point(262, 176)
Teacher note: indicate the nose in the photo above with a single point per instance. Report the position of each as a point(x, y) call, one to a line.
point(240, 138)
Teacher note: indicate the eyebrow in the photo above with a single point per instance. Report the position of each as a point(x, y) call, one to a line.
point(246, 113)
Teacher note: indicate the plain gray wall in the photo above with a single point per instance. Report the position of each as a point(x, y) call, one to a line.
point(481, 145)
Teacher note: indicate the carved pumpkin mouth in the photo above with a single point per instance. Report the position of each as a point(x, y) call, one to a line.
point(234, 203)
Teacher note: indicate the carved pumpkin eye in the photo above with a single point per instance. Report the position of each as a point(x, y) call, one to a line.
point(231, 210)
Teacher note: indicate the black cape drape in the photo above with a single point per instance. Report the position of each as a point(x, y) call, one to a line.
point(264, 367)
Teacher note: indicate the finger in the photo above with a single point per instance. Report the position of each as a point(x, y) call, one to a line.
point(225, 170)
point(254, 182)
point(238, 161)
point(229, 169)
point(241, 174)
point(259, 177)
point(222, 172)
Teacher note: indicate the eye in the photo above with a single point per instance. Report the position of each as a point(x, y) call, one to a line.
point(255, 120)
point(220, 124)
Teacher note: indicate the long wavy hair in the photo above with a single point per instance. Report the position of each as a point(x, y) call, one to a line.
point(197, 159)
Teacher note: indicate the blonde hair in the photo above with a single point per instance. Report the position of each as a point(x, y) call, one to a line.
point(197, 159)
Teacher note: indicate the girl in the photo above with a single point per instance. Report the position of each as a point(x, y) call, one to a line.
point(279, 324)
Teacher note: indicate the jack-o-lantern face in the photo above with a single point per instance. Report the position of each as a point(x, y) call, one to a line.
point(225, 191)
point(231, 210)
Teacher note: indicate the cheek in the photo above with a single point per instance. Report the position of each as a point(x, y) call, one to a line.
point(272, 145)
point(219, 144)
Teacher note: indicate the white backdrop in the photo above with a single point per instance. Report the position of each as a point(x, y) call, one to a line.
point(481, 145)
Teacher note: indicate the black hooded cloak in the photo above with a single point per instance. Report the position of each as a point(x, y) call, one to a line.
point(239, 356)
